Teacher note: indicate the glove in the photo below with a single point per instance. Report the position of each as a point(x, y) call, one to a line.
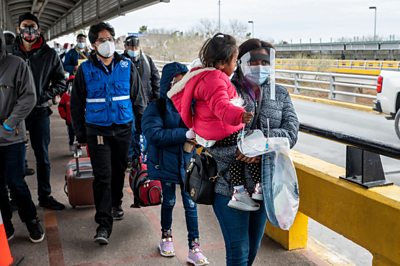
point(8, 128)
point(190, 134)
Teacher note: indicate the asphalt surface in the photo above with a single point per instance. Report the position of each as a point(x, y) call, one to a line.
point(352, 122)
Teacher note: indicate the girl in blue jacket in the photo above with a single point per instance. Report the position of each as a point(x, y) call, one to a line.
point(167, 160)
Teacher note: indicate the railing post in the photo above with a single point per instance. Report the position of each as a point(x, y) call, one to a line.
point(332, 87)
point(296, 83)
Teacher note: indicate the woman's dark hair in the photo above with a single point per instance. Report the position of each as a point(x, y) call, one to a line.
point(247, 46)
point(217, 50)
point(95, 29)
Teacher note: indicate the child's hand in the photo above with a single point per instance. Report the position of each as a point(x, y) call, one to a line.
point(247, 116)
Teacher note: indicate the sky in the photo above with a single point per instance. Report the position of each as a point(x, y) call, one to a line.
point(289, 20)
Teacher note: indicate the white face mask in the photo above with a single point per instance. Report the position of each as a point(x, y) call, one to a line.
point(106, 49)
point(81, 45)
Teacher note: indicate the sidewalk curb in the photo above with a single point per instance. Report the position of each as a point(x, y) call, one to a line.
point(333, 102)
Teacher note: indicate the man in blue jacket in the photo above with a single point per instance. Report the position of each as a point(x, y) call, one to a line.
point(72, 56)
point(106, 99)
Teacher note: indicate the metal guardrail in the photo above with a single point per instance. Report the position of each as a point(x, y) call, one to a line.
point(347, 64)
point(331, 82)
point(363, 162)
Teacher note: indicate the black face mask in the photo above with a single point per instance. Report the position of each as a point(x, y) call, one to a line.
point(29, 34)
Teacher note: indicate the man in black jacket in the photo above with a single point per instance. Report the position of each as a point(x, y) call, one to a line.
point(106, 99)
point(150, 79)
point(48, 74)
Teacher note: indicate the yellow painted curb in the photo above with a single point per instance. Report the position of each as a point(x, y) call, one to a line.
point(333, 102)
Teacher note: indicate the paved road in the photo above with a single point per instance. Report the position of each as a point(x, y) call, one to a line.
point(362, 124)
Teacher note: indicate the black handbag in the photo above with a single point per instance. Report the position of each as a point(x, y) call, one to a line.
point(201, 175)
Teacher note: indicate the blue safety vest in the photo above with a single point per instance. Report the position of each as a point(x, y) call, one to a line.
point(108, 95)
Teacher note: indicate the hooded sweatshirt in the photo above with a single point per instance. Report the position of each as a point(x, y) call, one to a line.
point(17, 96)
point(165, 133)
point(215, 114)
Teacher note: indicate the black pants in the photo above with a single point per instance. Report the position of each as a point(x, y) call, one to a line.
point(109, 158)
point(12, 175)
point(39, 133)
point(71, 134)
point(236, 168)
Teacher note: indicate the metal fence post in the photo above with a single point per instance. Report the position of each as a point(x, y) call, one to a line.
point(296, 83)
point(332, 87)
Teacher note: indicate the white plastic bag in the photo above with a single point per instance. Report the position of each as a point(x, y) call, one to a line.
point(279, 183)
point(252, 143)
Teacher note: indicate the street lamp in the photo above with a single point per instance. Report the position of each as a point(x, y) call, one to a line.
point(219, 15)
point(374, 7)
point(252, 28)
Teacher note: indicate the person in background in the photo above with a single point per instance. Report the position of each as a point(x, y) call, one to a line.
point(167, 136)
point(150, 79)
point(72, 56)
point(48, 74)
point(65, 50)
point(9, 37)
point(243, 230)
point(106, 98)
point(17, 99)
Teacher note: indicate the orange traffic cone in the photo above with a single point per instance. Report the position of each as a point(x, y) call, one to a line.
point(5, 254)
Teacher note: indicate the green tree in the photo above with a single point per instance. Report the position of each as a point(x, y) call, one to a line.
point(143, 29)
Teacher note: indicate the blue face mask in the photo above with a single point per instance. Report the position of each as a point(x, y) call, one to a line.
point(258, 74)
point(132, 53)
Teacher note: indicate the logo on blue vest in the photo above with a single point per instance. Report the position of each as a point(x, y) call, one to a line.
point(124, 64)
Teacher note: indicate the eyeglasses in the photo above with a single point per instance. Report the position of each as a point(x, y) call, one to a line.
point(103, 40)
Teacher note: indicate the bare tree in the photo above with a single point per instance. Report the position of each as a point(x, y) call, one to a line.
point(207, 27)
point(237, 28)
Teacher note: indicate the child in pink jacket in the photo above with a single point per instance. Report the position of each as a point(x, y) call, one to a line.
point(209, 104)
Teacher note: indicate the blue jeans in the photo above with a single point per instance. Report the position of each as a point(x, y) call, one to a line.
point(168, 203)
point(242, 231)
point(134, 147)
point(39, 133)
point(12, 168)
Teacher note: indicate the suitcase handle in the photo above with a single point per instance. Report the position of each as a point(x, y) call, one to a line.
point(77, 148)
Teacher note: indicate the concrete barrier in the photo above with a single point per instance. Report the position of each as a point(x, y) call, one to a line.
point(368, 217)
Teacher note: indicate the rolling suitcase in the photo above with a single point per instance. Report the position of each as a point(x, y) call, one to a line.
point(79, 182)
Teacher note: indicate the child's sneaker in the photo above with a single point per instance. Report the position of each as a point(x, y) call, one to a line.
point(196, 256)
point(242, 201)
point(166, 247)
point(258, 193)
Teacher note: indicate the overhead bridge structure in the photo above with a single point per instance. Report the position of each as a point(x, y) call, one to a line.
point(60, 17)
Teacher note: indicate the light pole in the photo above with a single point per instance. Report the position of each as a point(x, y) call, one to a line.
point(374, 7)
point(252, 28)
point(219, 15)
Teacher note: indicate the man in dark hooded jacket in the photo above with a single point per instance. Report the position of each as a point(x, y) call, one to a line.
point(48, 74)
point(17, 98)
point(150, 79)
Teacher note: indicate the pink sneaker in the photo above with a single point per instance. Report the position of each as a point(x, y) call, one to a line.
point(258, 193)
point(196, 257)
point(166, 247)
